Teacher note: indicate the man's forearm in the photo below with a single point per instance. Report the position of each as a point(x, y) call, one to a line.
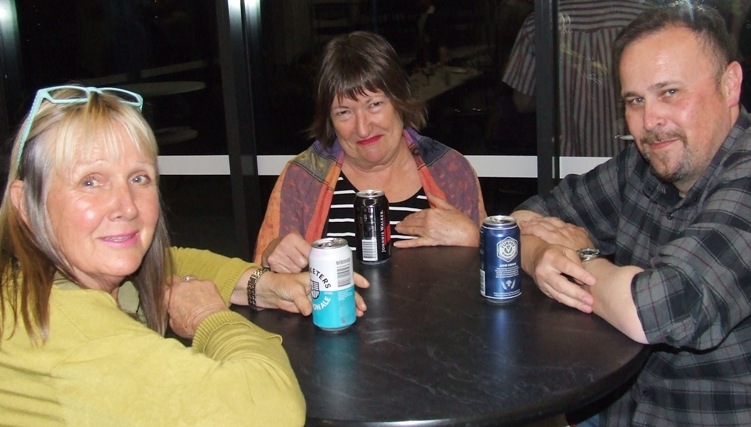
point(613, 299)
point(612, 292)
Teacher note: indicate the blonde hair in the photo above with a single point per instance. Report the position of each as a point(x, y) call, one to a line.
point(29, 258)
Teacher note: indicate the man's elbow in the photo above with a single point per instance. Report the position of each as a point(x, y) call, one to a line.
point(637, 334)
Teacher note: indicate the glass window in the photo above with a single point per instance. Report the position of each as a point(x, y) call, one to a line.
point(166, 50)
point(455, 53)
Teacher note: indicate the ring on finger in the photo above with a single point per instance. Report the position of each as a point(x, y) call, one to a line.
point(188, 278)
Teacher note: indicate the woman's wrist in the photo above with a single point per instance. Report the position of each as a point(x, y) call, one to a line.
point(252, 287)
point(195, 318)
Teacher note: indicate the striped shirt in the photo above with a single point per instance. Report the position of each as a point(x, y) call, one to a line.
point(341, 220)
point(590, 109)
point(694, 296)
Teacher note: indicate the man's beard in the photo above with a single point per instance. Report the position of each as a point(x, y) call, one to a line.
point(685, 164)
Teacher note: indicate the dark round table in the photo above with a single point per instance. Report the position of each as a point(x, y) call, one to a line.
point(431, 351)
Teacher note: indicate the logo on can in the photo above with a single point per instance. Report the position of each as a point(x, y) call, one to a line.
point(372, 227)
point(500, 262)
point(332, 284)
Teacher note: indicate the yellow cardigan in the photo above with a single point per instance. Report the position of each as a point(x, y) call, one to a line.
point(100, 367)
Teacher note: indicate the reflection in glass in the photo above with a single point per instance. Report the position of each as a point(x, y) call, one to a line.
point(163, 50)
point(590, 113)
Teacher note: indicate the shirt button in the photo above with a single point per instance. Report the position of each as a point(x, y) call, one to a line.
point(670, 216)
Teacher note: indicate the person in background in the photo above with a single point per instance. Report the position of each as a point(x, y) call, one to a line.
point(365, 123)
point(89, 285)
point(738, 21)
point(510, 15)
point(432, 29)
point(590, 115)
point(671, 218)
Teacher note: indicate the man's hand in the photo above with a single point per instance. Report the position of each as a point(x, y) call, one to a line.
point(560, 275)
point(554, 231)
point(441, 225)
point(287, 254)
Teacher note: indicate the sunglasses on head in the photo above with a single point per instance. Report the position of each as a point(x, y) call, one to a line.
point(80, 95)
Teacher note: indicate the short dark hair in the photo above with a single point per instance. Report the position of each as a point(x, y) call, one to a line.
point(353, 63)
point(702, 20)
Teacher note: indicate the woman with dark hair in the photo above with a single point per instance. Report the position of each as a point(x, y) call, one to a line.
point(365, 125)
point(89, 285)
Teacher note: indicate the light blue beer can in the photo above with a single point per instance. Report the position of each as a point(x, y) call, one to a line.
point(332, 284)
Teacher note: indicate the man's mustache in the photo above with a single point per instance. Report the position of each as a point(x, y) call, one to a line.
point(656, 137)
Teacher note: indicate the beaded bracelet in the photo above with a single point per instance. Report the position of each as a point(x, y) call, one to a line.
point(252, 282)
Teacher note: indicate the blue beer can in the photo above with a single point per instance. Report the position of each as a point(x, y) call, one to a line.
point(500, 259)
point(332, 284)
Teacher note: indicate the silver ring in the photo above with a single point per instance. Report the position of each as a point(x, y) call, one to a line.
point(188, 278)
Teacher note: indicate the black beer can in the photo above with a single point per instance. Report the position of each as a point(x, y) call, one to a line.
point(500, 259)
point(372, 228)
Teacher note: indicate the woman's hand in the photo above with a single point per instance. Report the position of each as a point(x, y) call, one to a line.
point(291, 292)
point(441, 225)
point(287, 254)
point(189, 301)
